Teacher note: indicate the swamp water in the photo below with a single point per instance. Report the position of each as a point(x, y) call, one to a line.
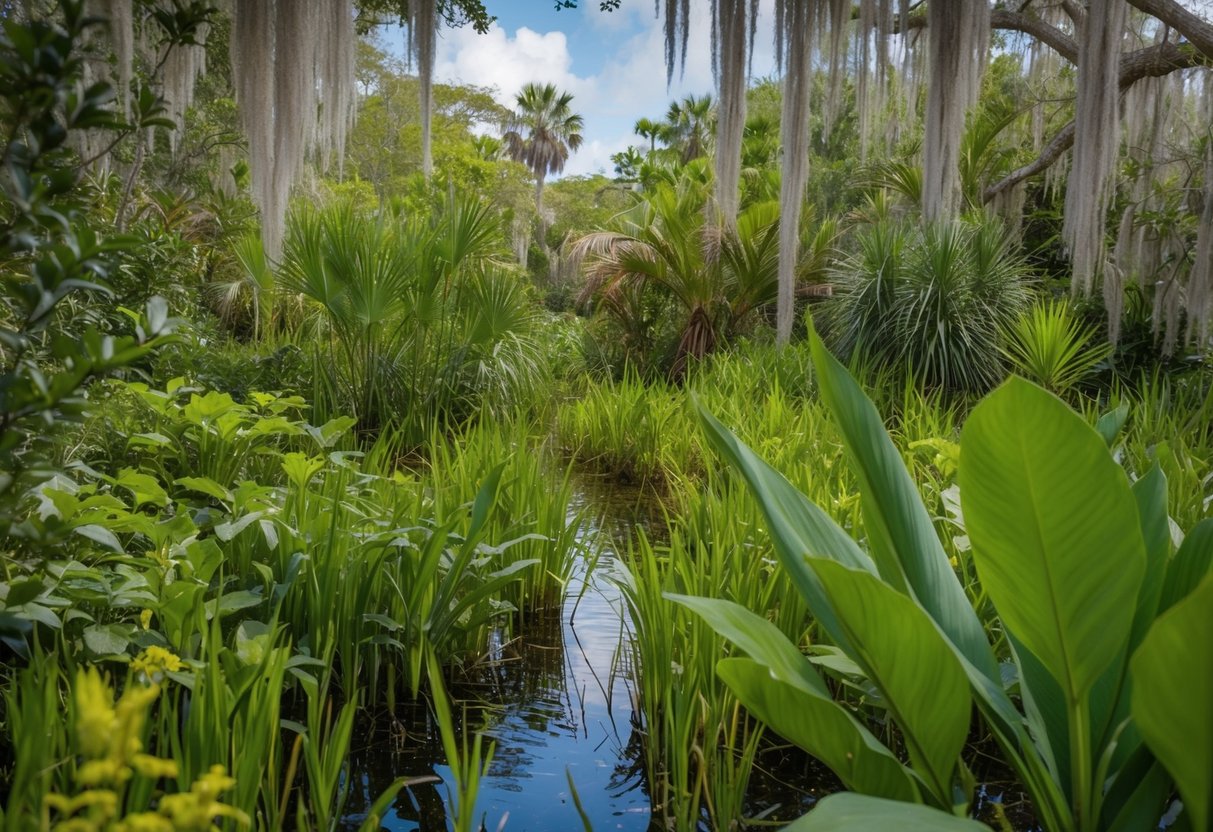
point(557, 702)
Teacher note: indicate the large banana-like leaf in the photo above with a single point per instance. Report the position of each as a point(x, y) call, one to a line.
point(1136, 797)
point(909, 661)
point(1173, 697)
point(758, 638)
point(1110, 697)
point(787, 693)
point(798, 528)
point(1055, 531)
point(905, 545)
point(847, 812)
point(1150, 494)
point(821, 727)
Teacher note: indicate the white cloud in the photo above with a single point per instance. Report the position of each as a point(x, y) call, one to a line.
point(503, 62)
point(631, 83)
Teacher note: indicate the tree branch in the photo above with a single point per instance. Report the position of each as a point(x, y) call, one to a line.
point(1151, 62)
point(1019, 21)
point(1197, 30)
point(1032, 25)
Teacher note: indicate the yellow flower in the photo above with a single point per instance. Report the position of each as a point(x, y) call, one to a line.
point(145, 619)
point(154, 767)
point(194, 810)
point(144, 822)
point(77, 825)
point(106, 771)
point(95, 715)
point(154, 662)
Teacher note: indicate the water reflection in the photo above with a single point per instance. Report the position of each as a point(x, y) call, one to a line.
point(559, 698)
point(555, 700)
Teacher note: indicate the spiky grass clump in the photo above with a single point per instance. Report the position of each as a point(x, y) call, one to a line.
point(931, 301)
point(1051, 345)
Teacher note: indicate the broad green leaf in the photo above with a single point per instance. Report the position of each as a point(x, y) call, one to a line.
point(157, 440)
point(1044, 703)
point(207, 486)
point(205, 557)
point(758, 638)
point(252, 641)
point(906, 657)
point(227, 531)
point(1191, 564)
point(821, 727)
point(101, 535)
point(1109, 424)
point(327, 434)
point(1110, 696)
point(1150, 494)
point(797, 527)
point(232, 601)
point(1173, 697)
point(208, 406)
point(847, 812)
point(1055, 531)
point(905, 544)
point(1137, 797)
point(300, 468)
point(107, 639)
point(22, 592)
point(144, 486)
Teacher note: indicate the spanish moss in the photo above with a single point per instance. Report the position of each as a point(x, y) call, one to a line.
point(288, 59)
point(732, 25)
point(1096, 143)
point(798, 19)
point(957, 37)
point(422, 42)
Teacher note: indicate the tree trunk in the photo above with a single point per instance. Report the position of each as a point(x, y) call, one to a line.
point(542, 221)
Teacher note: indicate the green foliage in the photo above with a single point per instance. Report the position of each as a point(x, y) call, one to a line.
point(51, 261)
point(384, 145)
point(1050, 345)
point(417, 323)
point(715, 279)
point(1075, 611)
point(236, 538)
point(933, 302)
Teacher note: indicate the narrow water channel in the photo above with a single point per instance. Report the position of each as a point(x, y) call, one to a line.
point(557, 703)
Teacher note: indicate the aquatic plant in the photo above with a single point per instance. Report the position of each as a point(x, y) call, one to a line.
point(1046, 507)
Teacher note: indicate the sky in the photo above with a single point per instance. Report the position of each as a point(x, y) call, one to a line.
point(612, 62)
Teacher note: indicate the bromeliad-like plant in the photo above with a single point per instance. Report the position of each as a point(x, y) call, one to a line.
point(1108, 628)
point(1050, 345)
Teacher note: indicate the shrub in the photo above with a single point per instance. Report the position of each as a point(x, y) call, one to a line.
point(932, 301)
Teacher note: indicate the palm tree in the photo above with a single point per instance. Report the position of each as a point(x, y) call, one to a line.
point(627, 164)
point(541, 133)
point(717, 278)
point(646, 128)
point(688, 124)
